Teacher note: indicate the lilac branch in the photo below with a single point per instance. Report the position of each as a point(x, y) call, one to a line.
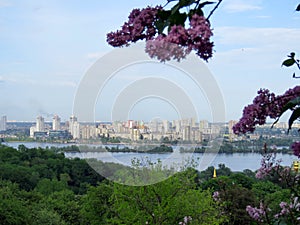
point(214, 9)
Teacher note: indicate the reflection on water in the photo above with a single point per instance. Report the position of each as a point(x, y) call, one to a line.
point(236, 161)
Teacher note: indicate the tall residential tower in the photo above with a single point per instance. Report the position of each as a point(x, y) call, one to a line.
point(56, 123)
point(40, 124)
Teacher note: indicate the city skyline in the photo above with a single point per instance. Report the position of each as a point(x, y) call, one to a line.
point(73, 118)
point(47, 47)
point(185, 131)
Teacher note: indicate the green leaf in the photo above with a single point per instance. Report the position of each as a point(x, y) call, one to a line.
point(164, 14)
point(161, 25)
point(204, 4)
point(288, 62)
point(178, 19)
point(295, 115)
point(163, 20)
point(175, 8)
point(290, 105)
point(298, 8)
point(292, 55)
point(197, 11)
point(184, 3)
point(181, 4)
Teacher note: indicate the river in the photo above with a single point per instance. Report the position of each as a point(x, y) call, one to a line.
point(235, 161)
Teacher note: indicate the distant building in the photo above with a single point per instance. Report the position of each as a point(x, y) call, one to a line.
point(59, 135)
point(32, 130)
point(88, 132)
point(73, 119)
point(166, 126)
point(135, 134)
point(203, 124)
point(186, 133)
point(56, 123)
point(40, 135)
point(3, 122)
point(193, 122)
point(177, 125)
point(231, 124)
point(40, 124)
point(196, 135)
point(74, 127)
point(131, 124)
point(156, 126)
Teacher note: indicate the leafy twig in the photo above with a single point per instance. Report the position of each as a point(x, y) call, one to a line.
point(214, 9)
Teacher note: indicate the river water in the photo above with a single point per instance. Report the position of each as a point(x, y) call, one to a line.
point(235, 161)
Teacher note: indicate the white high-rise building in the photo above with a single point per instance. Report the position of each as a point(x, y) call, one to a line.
point(186, 133)
point(177, 124)
point(73, 119)
point(3, 122)
point(166, 126)
point(76, 130)
point(32, 130)
point(40, 124)
point(203, 124)
point(56, 123)
point(74, 127)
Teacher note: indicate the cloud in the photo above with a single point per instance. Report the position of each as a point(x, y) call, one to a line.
point(94, 55)
point(258, 37)
point(236, 6)
point(254, 49)
point(4, 3)
point(263, 17)
point(66, 84)
point(26, 80)
point(58, 83)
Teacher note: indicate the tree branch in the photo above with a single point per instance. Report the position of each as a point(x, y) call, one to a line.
point(214, 9)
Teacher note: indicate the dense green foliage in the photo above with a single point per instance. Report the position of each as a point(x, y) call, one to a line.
point(138, 149)
point(41, 186)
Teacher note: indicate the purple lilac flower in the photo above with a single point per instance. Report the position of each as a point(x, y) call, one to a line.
point(268, 164)
point(164, 50)
point(200, 34)
point(178, 35)
point(287, 208)
point(258, 214)
point(186, 220)
point(266, 104)
point(180, 41)
point(216, 196)
point(296, 148)
point(140, 26)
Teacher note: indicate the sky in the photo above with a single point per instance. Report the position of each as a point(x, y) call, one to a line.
point(47, 47)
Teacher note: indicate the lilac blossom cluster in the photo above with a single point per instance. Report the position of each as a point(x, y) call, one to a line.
point(140, 26)
point(266, 104)
point(258, 214)
point(164, 50)
point(180, 41)
point(296, 148)
point(200, 34)
point(286, 208)
point(216, 196)
point(270, 166)
point(186, 220)
point(268, 163)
